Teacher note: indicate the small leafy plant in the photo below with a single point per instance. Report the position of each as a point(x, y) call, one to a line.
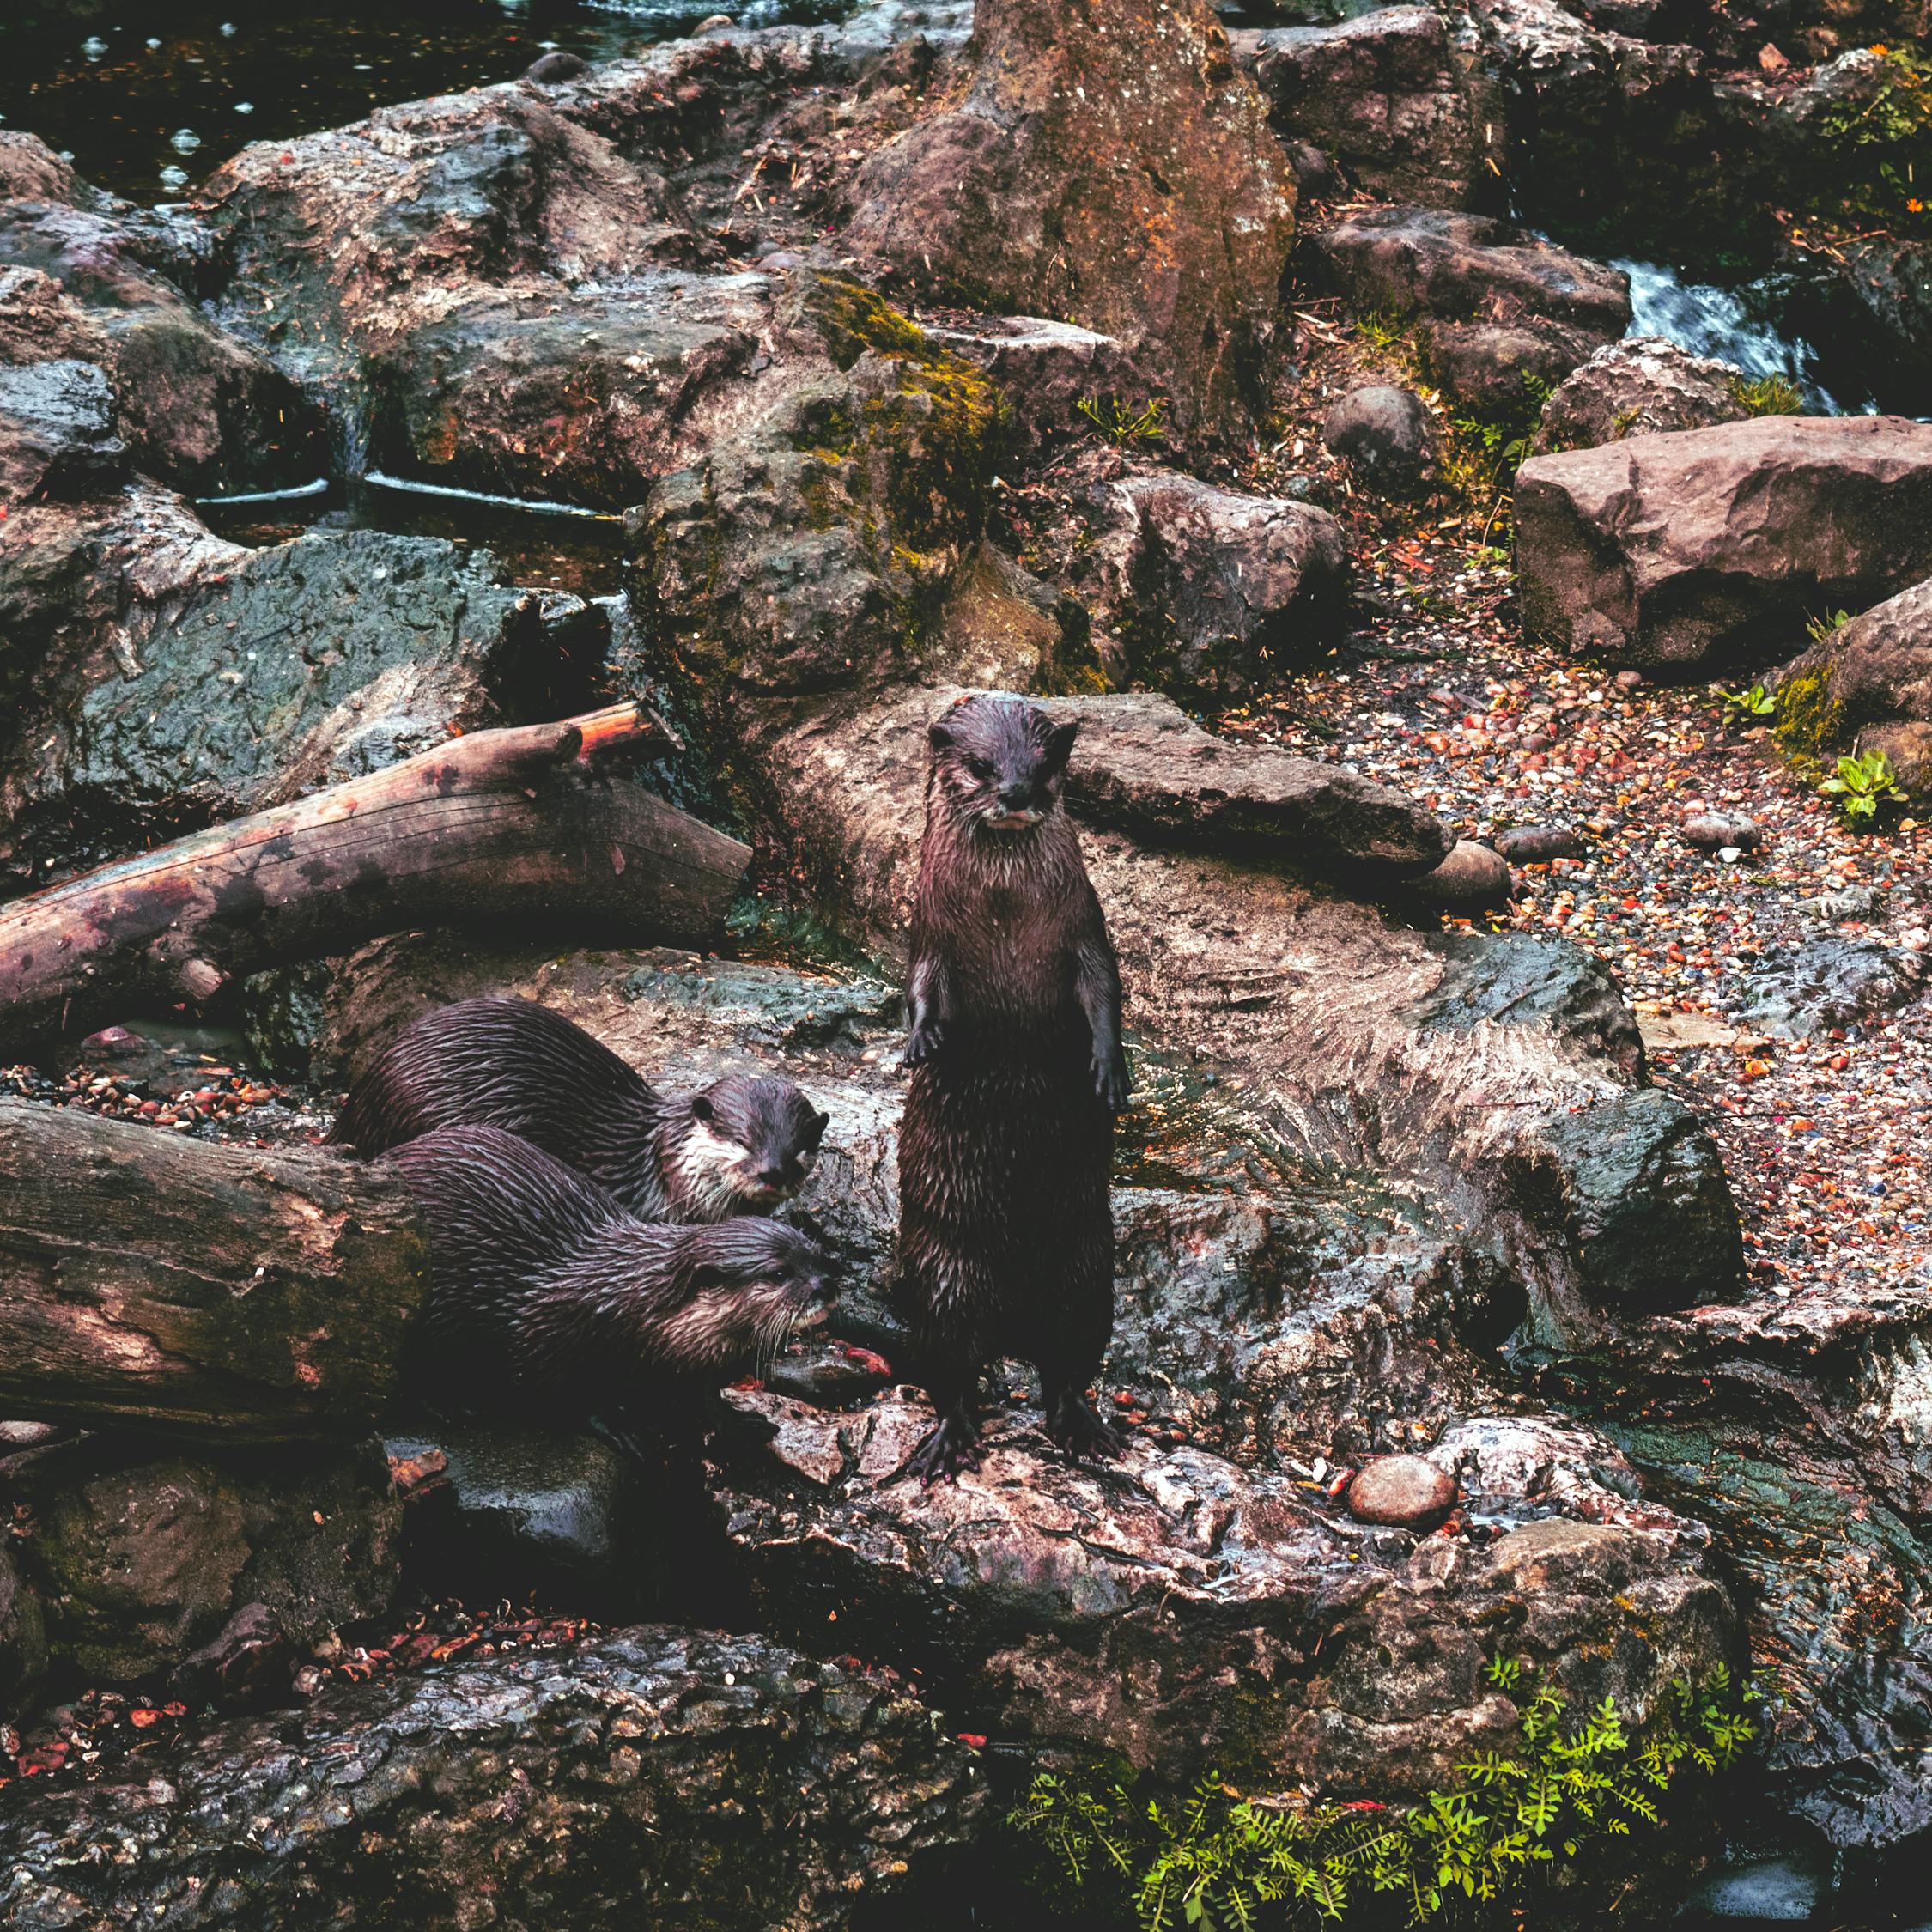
point(1221, 1860)
point(1864, 785)
point(1768, 394)
point(1383, 333)
point(1754, 707)
point(1819, 627)
point(1122, 423)
point(1874, 147)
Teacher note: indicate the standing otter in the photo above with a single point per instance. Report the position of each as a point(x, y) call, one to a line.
point(542, 1287)
point(1006, 1239)
point(741, 1147)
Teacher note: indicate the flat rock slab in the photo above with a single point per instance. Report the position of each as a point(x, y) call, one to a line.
point(1465, 267)
point(634, 1781)
point(1187, 1612)
point(1142, 764)
point(1704, 546)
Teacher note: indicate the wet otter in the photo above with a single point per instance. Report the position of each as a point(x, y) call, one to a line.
point(544, 1287)
point(1005, 1240)
point(743, 1146)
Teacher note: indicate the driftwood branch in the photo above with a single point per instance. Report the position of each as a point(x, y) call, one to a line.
point(150, 1280)
point(524, 825)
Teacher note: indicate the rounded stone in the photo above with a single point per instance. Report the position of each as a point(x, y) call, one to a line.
point(1471, 876)
point(1536, 844)
point(1403, 1492)
point(1387, 435)
point(1711, 832)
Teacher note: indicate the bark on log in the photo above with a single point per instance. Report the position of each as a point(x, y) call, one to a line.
point(153, 1281)
point(518, 825)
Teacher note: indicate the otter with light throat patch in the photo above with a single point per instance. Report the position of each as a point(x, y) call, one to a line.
point(743, 1146)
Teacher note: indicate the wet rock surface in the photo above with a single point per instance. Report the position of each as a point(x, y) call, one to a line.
point(1804, 993)
point(220, 679)
point(139, 1560)
point(640, 1774)
point(1714, 544)
point(1121, 1606)
point(195, 407)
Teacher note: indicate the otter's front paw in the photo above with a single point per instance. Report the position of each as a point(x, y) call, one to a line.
point(922, 1042)
point(1080, 1434)
point(1111, 1085)
point(951, 1446)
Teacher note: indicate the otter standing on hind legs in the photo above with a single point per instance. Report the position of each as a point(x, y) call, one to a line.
point(1006, 1151)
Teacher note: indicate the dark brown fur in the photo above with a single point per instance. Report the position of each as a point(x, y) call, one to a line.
point(743, 1146)
point(1005, 1238)
point(542, 1287)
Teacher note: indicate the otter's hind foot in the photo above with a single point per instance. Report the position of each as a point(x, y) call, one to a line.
point(950, 1446)
point(1079, 1433)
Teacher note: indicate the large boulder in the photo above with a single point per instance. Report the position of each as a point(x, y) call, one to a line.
point(819, 548)
point(1866, 686)
point(139, 1559)
point(1214, 591)
point(1609, 127)
point(181, 679)
point(197, 407)
point(1707, 544)
point(1382, 95)
point(1641, 386)
point(1451, 266)
point(1190, 1614)
point(586, 395)
point(1109, 164)
point(1502, 316)
point(657, 1776)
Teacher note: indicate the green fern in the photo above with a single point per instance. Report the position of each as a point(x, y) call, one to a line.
point(1221, 1860)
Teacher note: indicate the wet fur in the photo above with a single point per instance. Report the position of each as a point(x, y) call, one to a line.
point(1006, 1151)
point(541, 1287)
point(741, 1146)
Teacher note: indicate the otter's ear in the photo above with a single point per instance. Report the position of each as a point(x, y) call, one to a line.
point(939, 735)
point(701, 1108)
point(706, 1275)
point(819, 1123)
point(1059, 743)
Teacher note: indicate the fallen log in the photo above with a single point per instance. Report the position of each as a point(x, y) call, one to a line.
point(526, 826)
point(153, 1281)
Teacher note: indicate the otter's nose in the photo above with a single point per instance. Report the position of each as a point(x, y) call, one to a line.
point(1016, 798)
point(773, 1177)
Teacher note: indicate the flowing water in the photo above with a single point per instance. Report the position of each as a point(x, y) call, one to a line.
point(1760, 326)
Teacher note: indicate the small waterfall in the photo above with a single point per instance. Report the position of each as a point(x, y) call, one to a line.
point(1744, 325)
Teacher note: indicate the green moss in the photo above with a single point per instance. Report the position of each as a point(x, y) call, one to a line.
point(1809, 718)
point(854, 319)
